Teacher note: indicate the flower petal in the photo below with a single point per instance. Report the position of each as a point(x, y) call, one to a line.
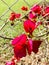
point(24, 8)
point(36, 44)
point(20, 39)
point(29, 46)
point(36, 9)
point(10, 63)
point(29, 26)
point(19, 44)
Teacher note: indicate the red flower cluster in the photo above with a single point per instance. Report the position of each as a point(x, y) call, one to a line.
point(24, 8)
point(22, 42)
point(20, 45)
point(36, 9)
point(30, 26)
point(14, 16)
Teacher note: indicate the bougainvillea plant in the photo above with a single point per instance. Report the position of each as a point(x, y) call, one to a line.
point(25, 44)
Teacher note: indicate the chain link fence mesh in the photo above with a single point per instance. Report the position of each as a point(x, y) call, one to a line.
point(7, 8)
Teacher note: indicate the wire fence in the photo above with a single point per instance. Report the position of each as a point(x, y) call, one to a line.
point(9, 8)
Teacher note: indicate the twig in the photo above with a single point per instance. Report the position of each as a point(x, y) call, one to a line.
point(34, 36)
point(42, 34)
point(6, 38)
point(44, 16)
